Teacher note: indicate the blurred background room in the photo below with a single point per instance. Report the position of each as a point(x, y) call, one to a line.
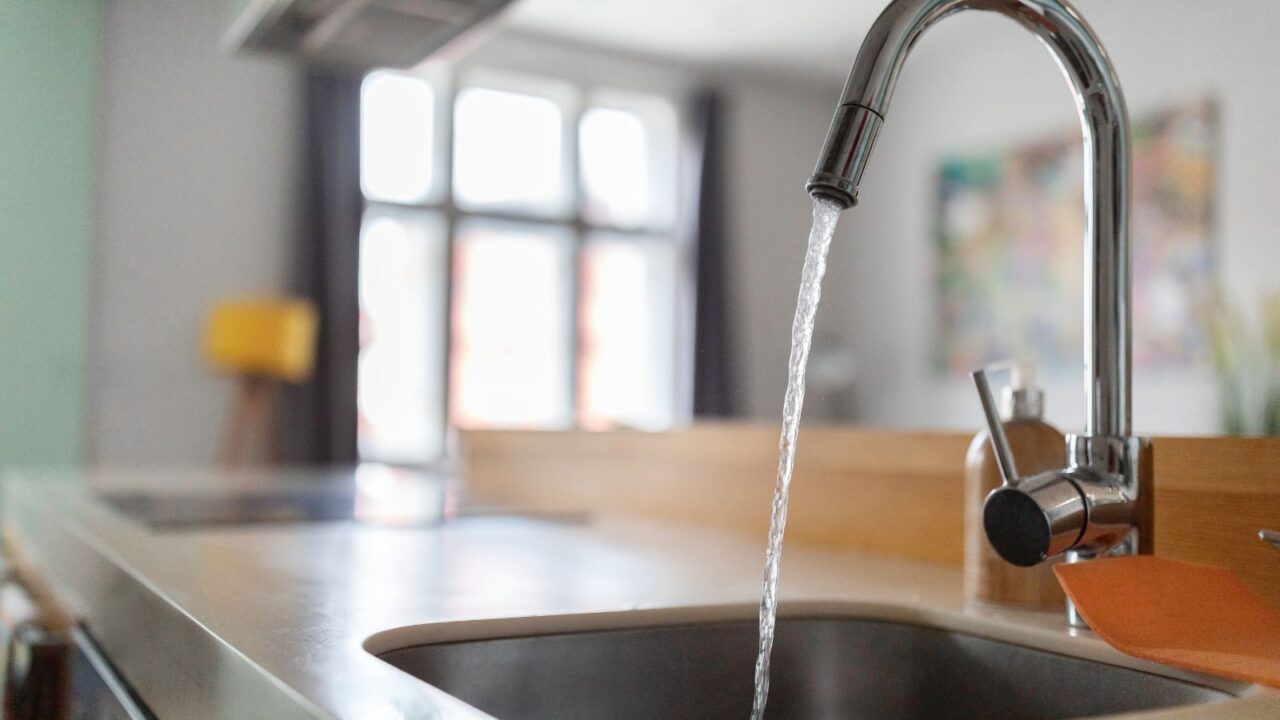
point(392, 359)
point(574, 214)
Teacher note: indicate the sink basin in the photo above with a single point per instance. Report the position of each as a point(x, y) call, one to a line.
point(823, 667)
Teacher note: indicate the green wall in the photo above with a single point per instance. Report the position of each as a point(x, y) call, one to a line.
point(48, 117)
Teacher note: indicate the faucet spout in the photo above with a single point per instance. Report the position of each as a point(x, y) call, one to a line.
point(1091, 505)
point(1104, 120)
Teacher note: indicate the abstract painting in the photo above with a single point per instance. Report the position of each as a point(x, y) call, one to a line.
point(1009, 247)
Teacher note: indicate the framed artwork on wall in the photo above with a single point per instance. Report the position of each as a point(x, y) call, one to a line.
point(1009, 250)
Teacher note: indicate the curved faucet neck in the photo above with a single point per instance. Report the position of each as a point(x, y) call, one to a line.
point(1104, 119)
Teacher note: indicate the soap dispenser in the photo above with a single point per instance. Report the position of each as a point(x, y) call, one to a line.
point(1037, 447)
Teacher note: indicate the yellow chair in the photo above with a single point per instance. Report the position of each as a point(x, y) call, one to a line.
point(263, 342)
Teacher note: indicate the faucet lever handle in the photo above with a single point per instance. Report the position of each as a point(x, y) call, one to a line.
point(999, 441)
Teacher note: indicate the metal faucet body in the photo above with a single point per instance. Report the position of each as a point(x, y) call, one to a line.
point(1092, 504)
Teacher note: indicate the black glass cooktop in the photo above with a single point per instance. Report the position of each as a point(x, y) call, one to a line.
point(370, 495)
point(292, 506)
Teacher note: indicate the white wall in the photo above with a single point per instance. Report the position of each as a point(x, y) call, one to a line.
point(774, 128)
point(979, 80)
point(196, 188)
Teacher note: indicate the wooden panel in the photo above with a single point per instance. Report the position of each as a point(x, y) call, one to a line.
point(895, 492)
point(1212, 497)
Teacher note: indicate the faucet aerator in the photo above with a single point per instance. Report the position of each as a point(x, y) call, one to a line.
point(821, 189)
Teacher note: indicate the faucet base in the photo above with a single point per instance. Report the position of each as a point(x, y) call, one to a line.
point(1115, 474)
point(1128, 462)
point(1129, 546)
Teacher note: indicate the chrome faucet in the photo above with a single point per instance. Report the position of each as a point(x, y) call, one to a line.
point(1098, 503)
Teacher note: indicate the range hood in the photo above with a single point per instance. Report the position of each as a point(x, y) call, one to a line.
point(356, 33)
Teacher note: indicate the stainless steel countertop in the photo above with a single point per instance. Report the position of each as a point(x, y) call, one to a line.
point(273, 621)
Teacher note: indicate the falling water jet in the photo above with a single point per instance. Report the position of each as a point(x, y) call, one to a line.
point(825, 214)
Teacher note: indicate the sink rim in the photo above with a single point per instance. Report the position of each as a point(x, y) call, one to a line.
point(1036, 630)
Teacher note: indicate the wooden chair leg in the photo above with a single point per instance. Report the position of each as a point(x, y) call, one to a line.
point(271, 430)
point(249, 412)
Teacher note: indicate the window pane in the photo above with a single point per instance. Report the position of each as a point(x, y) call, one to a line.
point(509, 152)
point(396, 130)
point(512, 334)
point(627, 362)
point(627, 151)
point(400, 390)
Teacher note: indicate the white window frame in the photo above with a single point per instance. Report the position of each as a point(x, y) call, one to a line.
point(573, 97)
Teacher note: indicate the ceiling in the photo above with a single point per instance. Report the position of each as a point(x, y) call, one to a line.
point(795, 37)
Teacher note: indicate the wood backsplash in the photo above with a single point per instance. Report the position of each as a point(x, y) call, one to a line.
point(878, 490)
point(1212, 497)
point(894, 492)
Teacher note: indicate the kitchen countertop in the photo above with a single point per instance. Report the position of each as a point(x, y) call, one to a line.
point(276, 620)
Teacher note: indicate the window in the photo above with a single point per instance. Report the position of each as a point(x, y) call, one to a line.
point(402, 318)
point(627, 315)
point(508, 153)
point(512, 335)
point(518, 264)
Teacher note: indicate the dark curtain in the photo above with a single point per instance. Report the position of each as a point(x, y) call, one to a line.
point(320, 416)
point(714, 376)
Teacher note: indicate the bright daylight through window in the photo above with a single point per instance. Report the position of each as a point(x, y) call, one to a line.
point(518, 262)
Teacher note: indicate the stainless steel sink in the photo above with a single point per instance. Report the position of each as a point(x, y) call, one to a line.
point(822, 668)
